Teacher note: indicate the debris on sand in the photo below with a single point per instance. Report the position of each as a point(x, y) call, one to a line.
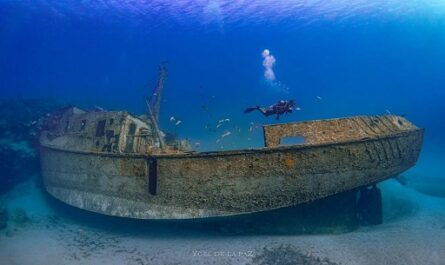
point(288, 255)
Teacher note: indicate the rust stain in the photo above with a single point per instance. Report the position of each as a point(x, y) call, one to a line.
point(289, 162)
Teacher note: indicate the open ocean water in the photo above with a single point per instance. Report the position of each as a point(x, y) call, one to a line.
point(334, 58)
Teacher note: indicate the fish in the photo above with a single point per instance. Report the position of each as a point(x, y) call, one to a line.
point(98, 109)
point(219, 125)
point(172, 119)
point(223, 120)
point(225, 134)
point(319, 98)
point(177, 123)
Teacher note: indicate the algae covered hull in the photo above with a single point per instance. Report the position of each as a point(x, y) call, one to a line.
point(129, 179)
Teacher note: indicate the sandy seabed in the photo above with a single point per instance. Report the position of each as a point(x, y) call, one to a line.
point(413, 233)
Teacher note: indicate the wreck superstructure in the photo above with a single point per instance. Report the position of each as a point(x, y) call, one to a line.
point(79, 130)
point(113, 163)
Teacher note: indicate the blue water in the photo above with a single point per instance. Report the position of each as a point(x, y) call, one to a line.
point(335, 58)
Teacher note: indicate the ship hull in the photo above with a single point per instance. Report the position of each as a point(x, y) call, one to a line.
point(223, 183)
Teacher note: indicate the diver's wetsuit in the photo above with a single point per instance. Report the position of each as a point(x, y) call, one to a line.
point(280, 108)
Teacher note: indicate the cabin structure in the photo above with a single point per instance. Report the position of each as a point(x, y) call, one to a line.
point(107, 131)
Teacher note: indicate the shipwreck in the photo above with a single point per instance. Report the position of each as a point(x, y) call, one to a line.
point(114, 163)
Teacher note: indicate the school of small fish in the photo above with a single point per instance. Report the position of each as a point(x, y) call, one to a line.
point(221, 122)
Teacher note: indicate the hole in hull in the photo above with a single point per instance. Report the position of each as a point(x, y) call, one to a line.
point(292, 140)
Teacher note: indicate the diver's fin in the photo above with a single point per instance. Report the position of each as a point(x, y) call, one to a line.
point(250, 109)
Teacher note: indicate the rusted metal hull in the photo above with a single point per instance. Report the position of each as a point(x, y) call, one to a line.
point(223, 183)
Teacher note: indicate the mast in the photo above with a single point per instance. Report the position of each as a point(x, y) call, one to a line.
point(155, 126)
point(154, 103)
point(156, 95)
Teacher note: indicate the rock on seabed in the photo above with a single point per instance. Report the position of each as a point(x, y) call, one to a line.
point(19, 127)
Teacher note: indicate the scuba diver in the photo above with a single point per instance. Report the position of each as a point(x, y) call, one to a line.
point(280, 108)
